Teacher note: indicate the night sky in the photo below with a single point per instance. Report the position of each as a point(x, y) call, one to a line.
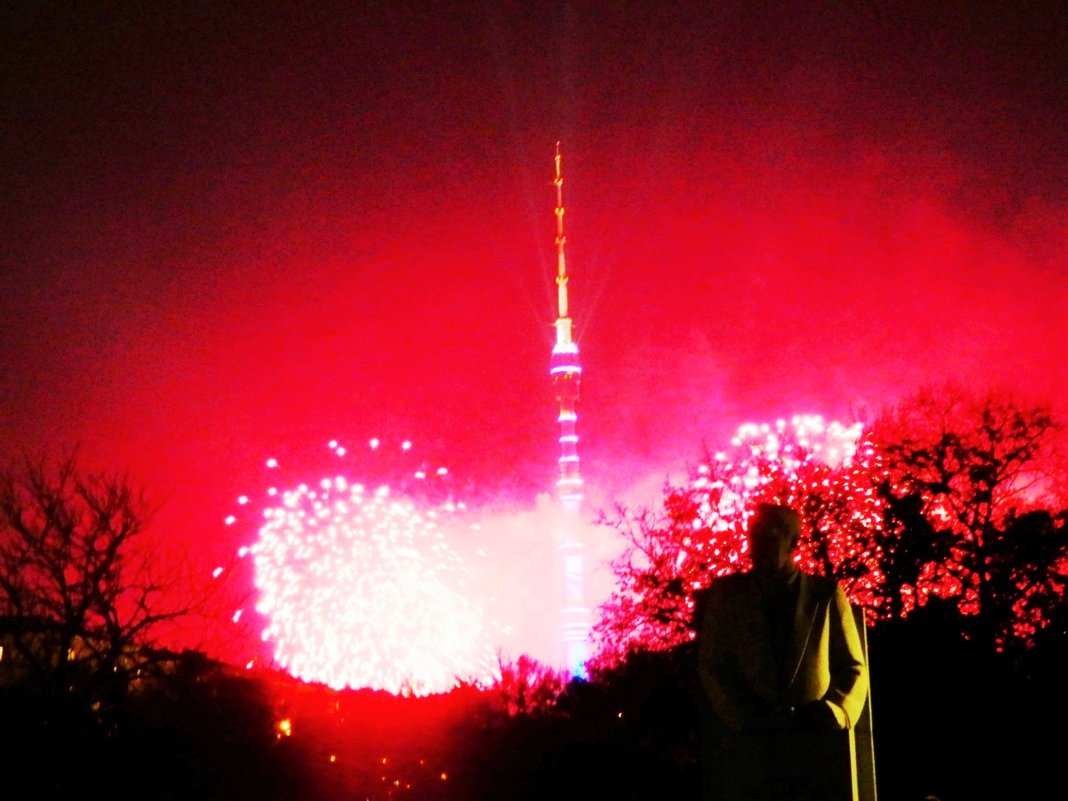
point(234, 230)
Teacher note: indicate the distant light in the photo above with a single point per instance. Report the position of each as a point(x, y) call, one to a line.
point(272, 463)
point(442, 471)
point(243, 499)
point(374, 443)
point(230, 520)
point(406, 445)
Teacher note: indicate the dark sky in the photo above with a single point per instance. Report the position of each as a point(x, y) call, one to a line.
point(236, 229)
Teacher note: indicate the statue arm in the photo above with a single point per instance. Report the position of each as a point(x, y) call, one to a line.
point(849, 669)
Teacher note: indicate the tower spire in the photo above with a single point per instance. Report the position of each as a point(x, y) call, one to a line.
point(561, 262)
point(565, 371)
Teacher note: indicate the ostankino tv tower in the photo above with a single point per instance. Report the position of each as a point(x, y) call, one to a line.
point(566, 371)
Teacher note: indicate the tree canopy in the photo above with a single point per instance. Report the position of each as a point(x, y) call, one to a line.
point(948, 494)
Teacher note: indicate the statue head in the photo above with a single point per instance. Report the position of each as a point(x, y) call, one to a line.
point(774, 532)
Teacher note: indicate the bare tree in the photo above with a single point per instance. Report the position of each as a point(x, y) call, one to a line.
point(82, 591)
point(968, 480)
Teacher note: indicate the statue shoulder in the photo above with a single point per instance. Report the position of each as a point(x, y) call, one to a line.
point(729, 584)
point(822, 587)
point(716, 594)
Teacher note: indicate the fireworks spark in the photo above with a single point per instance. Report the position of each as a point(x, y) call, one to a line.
point(361, 588)
point(823, 468)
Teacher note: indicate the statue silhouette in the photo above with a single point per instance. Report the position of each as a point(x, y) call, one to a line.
point(783, 668)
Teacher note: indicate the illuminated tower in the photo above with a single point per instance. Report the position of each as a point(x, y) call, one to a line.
point(566, 371)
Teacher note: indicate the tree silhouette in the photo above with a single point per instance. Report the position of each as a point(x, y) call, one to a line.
point(967, 477)
point(945, 497)
point(82, 590)
point(673, 553)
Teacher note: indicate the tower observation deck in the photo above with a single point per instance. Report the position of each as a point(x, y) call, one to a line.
point(565, 371)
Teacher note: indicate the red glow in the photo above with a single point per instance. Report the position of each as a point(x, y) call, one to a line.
point(218, 242)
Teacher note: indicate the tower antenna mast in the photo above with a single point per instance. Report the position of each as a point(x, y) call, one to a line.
point(566, 371)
